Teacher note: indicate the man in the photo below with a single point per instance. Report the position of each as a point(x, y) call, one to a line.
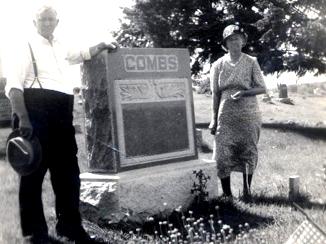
point(42, 105)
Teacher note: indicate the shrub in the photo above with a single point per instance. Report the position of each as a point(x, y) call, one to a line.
point(202, 85)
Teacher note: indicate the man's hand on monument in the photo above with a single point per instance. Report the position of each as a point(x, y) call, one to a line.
point(112, 46)
point(95, 50)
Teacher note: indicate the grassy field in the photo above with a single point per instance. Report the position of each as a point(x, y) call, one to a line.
point(307, 109)
point(282, 154)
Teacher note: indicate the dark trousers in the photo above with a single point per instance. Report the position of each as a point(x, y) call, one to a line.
point(51, 115)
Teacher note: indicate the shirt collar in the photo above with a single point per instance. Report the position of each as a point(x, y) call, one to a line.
point(40, 39)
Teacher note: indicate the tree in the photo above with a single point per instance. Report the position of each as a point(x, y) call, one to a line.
point(283, 34)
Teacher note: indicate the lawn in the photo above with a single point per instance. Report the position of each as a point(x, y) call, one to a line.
point(282, 154)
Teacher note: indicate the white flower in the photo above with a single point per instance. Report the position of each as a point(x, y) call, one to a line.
point(225, 227)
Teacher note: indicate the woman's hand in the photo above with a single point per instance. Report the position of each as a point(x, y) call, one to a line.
point(237, 95)
point(247, 93)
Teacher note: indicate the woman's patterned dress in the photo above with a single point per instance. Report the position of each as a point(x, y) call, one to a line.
point(238, 121)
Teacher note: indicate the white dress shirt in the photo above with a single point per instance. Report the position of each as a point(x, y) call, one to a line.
point(52, 60)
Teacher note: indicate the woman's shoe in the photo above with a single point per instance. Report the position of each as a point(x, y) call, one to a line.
point(37, 239)
point(227, 198)
point(78, 236)
point(246, 197)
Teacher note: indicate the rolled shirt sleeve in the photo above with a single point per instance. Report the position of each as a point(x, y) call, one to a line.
point(78, 56)
point(15, 68)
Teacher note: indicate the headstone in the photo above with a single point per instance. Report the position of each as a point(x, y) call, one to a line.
point(282, 91)
point(199, 137)
point(139, 109)
point(294, 187)
point(5, 107)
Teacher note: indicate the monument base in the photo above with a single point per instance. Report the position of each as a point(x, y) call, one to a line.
point(141, 193)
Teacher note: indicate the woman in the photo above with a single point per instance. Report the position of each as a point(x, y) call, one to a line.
point(236, 79)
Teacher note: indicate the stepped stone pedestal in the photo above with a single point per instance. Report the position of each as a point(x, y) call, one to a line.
point(141, 193)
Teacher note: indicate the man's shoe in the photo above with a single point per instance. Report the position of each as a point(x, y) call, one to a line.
point(84, 238)
point(37, 239)
point(78, 237)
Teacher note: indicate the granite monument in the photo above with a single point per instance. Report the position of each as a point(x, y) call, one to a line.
point(139, 108)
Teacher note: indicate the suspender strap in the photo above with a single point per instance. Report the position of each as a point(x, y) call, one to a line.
point(34, 68)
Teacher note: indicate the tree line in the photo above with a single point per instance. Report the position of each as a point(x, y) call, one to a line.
point(285, 35)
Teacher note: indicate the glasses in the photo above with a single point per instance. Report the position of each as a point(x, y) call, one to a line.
point(47, 20)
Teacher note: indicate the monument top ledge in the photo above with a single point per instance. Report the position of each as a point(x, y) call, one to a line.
point(146, 62)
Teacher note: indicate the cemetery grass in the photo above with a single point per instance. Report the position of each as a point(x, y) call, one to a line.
point(282, 154)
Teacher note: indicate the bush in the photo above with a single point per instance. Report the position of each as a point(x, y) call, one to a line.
point(202, 85)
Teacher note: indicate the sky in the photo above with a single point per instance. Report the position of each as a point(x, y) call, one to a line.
point(85, 21)
point(82, 23)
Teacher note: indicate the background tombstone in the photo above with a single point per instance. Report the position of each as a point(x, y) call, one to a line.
point(282, 91)
point(294, 187)
point(139, 109)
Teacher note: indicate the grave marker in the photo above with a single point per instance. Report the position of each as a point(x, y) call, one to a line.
point(139, 109)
